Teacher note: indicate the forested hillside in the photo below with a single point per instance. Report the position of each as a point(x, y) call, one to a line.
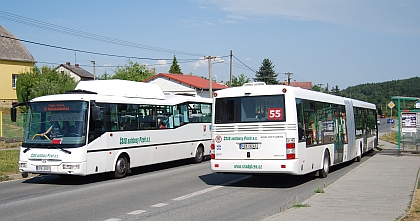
point(381, 93)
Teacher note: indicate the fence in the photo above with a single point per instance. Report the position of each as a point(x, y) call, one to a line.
point(12, 130)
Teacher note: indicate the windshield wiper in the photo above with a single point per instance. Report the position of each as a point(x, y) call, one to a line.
point(28, 148)
point(62, 149)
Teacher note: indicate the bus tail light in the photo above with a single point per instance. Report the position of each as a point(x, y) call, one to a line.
point(212, 156)
point(290, 148)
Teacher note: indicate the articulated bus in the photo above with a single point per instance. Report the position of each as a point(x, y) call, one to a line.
point(113, 126)
point(260, 128)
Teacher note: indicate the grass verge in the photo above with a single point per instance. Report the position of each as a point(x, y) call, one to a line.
point(8, 163)
point(300, 205)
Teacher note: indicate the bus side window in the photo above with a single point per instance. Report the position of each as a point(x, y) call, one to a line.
point(299, 111)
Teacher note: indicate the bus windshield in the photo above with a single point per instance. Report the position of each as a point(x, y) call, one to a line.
point(250, 109)
point(56, 122)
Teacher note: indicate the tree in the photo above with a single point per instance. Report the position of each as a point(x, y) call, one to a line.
point(132, 71)
point(39, 82)
point(335, 90)
point(266, 73)
point(105, 76)
point(175, 69)
point(239, 81)
point(316, 88)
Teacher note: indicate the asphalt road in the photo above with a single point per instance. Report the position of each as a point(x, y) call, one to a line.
point(170, 191)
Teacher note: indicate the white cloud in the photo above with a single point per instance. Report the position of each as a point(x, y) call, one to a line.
point(193, 23)
point(204, 62)
point(162, 63)
point(398, 17)
point(196, 65)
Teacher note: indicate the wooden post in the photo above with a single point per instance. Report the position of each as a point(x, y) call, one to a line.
point(1, 124)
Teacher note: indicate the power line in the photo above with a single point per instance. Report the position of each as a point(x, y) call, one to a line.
point(74, 32)
point(89, 52)
point(244, 64)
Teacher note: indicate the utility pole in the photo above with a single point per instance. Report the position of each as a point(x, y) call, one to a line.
point(210, 77)
point(230, 81)
point(288, 78)
point(94, 70)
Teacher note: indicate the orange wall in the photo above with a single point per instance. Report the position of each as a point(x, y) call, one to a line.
point(7, 68)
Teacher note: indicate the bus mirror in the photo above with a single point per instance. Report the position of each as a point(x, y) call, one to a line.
point(13, 114)
point(13, 109)
point(379, 110)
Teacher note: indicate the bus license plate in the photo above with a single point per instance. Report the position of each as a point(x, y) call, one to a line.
point(248, 146)
point(43, 168)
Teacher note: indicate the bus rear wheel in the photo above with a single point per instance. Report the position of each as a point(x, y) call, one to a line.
point(121, 167)
point(326, 166)
point(199, 155)
point(359, 157)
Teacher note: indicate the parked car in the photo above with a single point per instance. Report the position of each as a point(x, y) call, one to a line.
point(390, 120)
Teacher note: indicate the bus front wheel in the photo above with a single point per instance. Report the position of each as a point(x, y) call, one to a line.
point(326, 166)
point(121, 167)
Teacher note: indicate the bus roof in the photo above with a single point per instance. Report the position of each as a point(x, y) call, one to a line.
point(262, 89)
point(122, 88)
point(121, 91)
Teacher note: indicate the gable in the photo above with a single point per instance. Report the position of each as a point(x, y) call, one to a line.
point(76, 70)
point(12, 49)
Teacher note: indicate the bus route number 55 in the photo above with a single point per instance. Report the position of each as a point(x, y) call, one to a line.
point(275, 113)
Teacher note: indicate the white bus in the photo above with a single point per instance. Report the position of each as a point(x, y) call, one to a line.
point(113, 126)
point(260, 128)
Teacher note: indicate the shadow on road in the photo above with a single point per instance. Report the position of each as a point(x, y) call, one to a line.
point(274, 180)
point(82, 180)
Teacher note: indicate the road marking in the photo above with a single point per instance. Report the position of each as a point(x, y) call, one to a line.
point(136, 212)
point(159, 205)
point(197, 193)
point(209, 189)
point(112, 219)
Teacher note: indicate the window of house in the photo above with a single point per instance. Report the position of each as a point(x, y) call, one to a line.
point(14, 78)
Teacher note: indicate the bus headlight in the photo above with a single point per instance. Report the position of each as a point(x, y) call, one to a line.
point(22, 165)
point(71, 166)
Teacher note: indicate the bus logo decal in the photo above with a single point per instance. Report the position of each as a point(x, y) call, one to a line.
point(218, 139)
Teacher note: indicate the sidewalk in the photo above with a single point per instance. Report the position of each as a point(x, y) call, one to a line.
point(378, 189)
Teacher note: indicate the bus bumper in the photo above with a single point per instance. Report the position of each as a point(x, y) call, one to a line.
point(78, 168)
point(256, 166)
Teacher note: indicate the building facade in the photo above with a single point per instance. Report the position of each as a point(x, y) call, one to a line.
point(75, 71)
point(14, 60)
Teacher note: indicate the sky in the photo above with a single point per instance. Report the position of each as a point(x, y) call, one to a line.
point(327, 42)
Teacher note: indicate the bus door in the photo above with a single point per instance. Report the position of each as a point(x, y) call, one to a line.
point(351, 131)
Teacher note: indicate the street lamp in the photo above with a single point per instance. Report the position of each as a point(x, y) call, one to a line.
point(94, 70)
point(210, 74)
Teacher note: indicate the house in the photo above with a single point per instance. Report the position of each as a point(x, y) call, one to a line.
point(184, 84)
point(14, 59)
point(75, 71)
point(304, 85)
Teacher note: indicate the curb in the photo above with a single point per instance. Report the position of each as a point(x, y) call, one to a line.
point(18, 176)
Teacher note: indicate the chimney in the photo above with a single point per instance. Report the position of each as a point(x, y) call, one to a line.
point(68, 63)
point(77, 65)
